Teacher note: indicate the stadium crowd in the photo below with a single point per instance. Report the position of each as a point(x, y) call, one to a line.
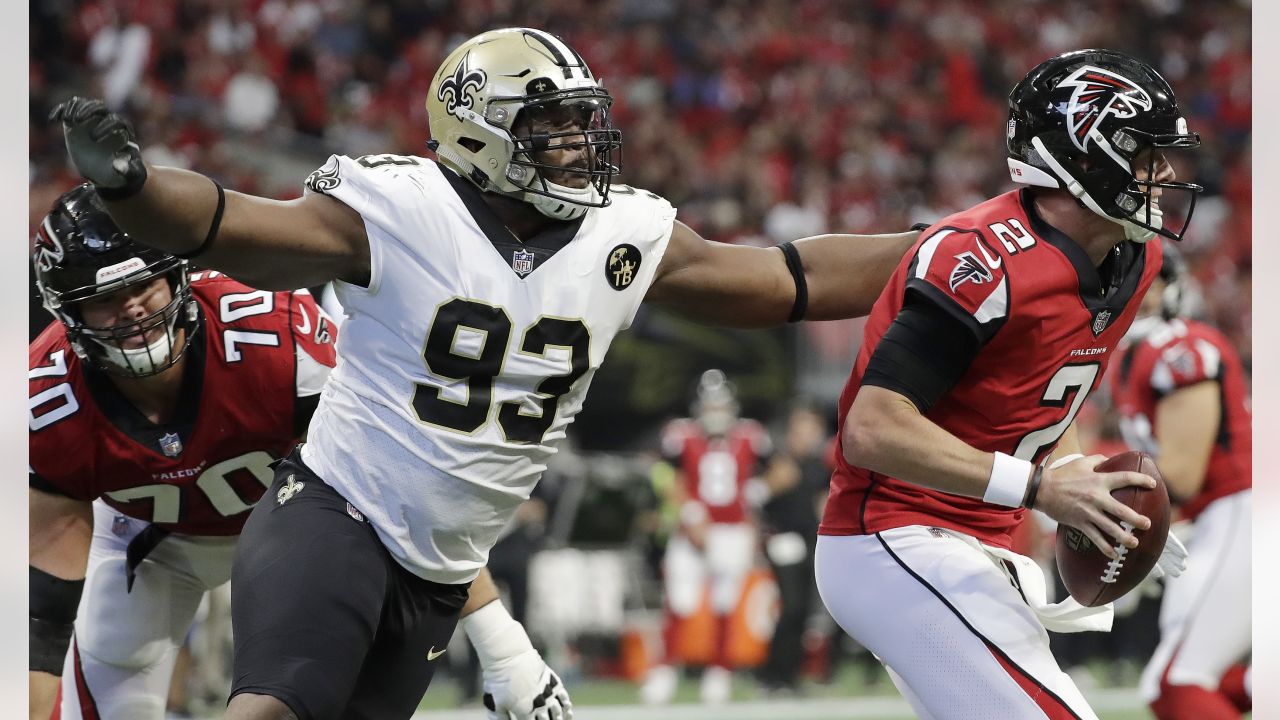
point(760, 120)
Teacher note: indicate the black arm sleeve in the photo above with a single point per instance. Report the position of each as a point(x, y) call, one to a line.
point(53, 602)
point(924, 352)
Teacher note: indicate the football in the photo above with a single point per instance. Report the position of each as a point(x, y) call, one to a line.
point(1093, 578)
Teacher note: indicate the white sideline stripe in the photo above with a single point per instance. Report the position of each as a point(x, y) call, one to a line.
point(851, 708)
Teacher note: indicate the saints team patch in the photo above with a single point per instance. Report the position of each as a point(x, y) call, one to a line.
point(621, 266)
point(325, 178)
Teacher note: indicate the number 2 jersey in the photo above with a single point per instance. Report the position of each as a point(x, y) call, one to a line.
point(468, 353)
point(251, 378)
point(1169, 356)
point(1047, 323)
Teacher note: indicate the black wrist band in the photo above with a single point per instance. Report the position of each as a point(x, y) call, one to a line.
point(213, 227)
point(801, 305)
point(920, 227)
point(1033, 487)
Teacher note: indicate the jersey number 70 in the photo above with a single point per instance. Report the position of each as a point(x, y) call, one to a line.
point(484, 360)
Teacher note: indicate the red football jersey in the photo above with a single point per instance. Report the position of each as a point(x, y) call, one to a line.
point(1048, 326)
point(259, 350)
point(716, 469)
point(1172, 356)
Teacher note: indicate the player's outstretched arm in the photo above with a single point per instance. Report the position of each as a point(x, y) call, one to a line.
point(266, 243)
point(742, 286)
point(518, 684)
point(60, 531)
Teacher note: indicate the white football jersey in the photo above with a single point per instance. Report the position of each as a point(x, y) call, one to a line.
point(469, 353)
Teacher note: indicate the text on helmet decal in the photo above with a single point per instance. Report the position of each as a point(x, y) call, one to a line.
point(112, 272)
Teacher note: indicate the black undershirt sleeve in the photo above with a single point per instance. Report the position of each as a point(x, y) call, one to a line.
point(304, 406)
point(924, 352)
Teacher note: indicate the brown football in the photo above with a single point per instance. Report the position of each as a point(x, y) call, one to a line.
point(1094, 579)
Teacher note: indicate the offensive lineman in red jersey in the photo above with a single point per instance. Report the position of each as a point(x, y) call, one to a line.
point(158, 402)
point(974, 362)
point(716, 454)
point(1182, 395)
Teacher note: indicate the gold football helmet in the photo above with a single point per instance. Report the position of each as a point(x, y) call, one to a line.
point(476, 100)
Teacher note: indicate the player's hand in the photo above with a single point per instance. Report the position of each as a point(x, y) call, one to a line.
point(1173, 558)
point(103, 147)
point(523, 687)
point(1074, 494)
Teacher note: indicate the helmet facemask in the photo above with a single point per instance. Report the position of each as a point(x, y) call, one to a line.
point(110, 348)
point(596, 138)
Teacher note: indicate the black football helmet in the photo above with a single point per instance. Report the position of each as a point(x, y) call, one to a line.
point(1079, 120)
point(80, 254)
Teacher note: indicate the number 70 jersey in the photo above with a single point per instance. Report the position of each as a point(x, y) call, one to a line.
point(468, 353)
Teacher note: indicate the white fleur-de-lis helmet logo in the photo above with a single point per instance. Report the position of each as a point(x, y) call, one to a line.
point(459, 89)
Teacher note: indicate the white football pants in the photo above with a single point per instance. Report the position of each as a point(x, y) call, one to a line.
point(724, 562)
point(125, 643)
point(957, 637)
point(1206, 616)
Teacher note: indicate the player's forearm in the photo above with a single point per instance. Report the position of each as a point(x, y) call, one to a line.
point(482, 592)
point(885, 433)
point(172, 212)
point(43, 690)
point(845, 273)
point(268, 244)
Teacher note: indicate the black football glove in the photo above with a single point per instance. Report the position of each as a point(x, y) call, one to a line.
point(103, 147)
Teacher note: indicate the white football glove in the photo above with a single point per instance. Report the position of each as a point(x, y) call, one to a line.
point(524, 688)
point(1173, 559)
point(518, 684)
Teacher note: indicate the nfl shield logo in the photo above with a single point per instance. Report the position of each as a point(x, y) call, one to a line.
point(171, 444)
point(522, 262)
point(1100, 322)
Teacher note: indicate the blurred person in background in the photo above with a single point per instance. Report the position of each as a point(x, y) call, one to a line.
point(1183, 396)
point(958, 415)
point(460, 407)
point(795, 482)
point(717, 457)
point(158, 401)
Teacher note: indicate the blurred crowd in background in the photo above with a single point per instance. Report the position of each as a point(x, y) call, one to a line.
point(761, 120)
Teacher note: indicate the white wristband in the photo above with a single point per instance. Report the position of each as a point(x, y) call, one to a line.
point(1008, 483)
point(495, 634)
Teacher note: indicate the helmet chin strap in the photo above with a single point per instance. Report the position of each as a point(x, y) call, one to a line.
point(559, 209)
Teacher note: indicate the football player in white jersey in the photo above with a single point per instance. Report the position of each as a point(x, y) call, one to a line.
point(481, 290)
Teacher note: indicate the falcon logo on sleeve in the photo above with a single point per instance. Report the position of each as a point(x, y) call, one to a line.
point(1098, 93)
point(969, 269)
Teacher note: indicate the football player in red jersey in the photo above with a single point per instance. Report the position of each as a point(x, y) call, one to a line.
point(1183, 397)
point(974, 362)
point(716, 454)
point(158, 402)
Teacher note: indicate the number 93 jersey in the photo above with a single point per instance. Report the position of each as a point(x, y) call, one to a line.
point(468, 353)
point(251, 379)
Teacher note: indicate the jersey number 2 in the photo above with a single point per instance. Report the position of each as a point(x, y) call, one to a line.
point(468, 342)
point(1077, 378)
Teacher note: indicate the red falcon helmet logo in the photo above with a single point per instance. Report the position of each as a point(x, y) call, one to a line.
point(48, 249)
point(1096, 94)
